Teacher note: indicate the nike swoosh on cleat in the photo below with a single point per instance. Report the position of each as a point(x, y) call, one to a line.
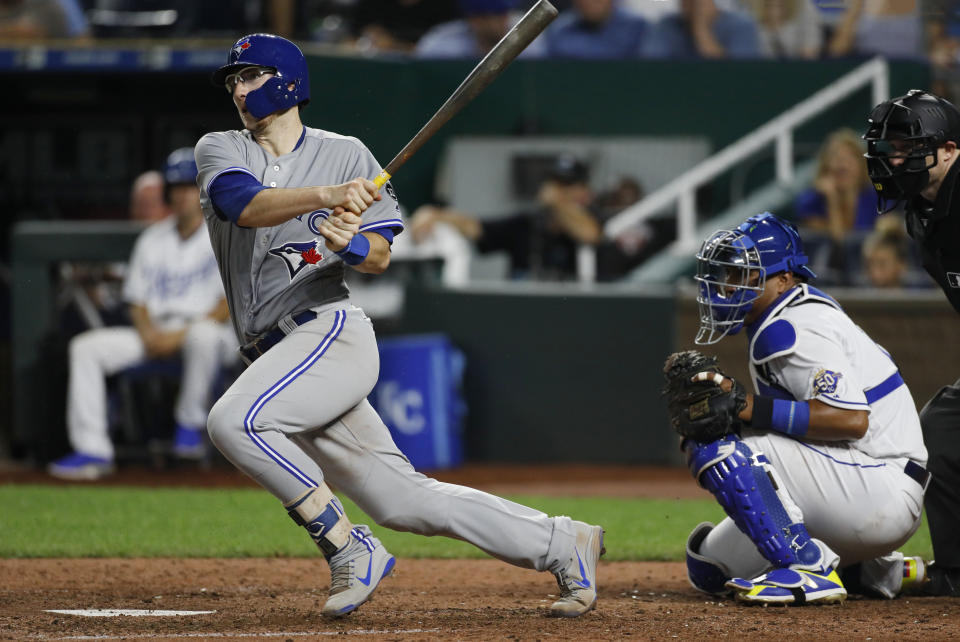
point(585, 583)
point(366, 580)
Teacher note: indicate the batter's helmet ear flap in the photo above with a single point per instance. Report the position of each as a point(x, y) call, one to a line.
point(289, 87)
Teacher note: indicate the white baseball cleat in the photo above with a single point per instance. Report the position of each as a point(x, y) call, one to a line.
point(578, 579)
point(356, 572)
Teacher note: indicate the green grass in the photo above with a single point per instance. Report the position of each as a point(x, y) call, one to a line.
point(76, 521)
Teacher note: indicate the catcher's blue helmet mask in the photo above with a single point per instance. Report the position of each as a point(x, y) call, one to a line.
point(733, 266)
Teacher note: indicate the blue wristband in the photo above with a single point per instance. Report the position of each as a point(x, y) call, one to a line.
point(356, 251)
point(789, 417)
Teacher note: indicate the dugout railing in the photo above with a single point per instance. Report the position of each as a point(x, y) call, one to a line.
point(678, 197)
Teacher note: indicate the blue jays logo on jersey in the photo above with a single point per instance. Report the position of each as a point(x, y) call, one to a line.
point(826, 381)
point(297, 256)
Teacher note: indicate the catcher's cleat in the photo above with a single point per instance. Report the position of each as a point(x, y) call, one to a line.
point(914, 575)
point(356, 572)
point(80, 467)
point(789, 586)
point(578, 579)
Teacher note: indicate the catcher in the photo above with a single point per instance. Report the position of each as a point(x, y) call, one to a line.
point(822, 468)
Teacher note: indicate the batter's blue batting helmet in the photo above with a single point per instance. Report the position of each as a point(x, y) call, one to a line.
point(288, 88)
point(733, 266)
point(180, 167)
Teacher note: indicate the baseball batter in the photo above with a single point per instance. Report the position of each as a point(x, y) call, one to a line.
point(290, 208)
point(827, 470)
point(177, 306)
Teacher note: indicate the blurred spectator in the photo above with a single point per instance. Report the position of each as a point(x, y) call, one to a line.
point(889, 28)
point(542, 244)
point(617, 257)
point(90, 292)
point(38, 19)
point(483, 24)
point(397, 25)
point(842, 198)
point(841, 206)
point(651, 11)
point(831, 13)
point(177, 306)
point(179, 18)
point(886, 253)
point(788, 28)
point(701, 30)
point(942, 19)
point(596, 29)
point(147, 202)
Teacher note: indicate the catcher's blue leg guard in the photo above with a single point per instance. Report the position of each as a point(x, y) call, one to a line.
point(746, 486)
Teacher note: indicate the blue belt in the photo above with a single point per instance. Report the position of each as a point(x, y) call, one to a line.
point(272, 337)
point(884, 388)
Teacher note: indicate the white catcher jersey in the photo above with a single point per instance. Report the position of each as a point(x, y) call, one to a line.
point(269, 272)
point(806, 347)
point(175, 279)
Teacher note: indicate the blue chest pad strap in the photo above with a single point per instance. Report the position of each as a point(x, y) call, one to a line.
point(750, 492)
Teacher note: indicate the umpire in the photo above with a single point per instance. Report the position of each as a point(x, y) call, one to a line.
point(912, 148)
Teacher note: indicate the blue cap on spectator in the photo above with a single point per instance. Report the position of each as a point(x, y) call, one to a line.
point(482, 7)
point(180, 167)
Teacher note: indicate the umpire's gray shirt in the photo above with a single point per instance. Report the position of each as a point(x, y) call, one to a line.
point(269, 272)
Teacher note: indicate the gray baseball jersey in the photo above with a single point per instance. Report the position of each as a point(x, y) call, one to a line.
point(269, 272)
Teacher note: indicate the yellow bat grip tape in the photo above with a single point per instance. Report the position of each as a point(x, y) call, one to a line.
point(381, 178)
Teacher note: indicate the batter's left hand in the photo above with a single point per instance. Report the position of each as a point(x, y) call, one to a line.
point(341, 226)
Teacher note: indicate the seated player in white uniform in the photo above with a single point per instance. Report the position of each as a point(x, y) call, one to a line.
point(177, 306)
point(827, 472)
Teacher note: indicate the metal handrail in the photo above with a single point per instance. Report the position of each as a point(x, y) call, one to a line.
point(779, 131)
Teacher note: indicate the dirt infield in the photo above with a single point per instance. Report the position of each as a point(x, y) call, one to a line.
point(424, 599)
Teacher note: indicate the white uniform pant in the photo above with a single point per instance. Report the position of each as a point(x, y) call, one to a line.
point(97, 354)
point(299, 415)
point(861, 507)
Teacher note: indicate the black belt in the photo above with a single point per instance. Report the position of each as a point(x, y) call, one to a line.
point(272, 337)
point(917, 473)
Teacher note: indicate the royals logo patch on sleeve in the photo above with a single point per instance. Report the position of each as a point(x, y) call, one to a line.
point(825, 382)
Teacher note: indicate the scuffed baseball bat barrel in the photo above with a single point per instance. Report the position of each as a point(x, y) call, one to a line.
point(509, 47)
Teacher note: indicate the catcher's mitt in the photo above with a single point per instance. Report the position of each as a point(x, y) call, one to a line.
point(698, 406)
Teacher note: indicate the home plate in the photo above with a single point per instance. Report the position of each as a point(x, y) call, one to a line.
point(122, 612)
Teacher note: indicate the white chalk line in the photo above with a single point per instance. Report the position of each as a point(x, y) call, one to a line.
point(125, 612)
point(266, 634)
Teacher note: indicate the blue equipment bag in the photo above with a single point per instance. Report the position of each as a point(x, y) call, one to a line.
point(419, 397)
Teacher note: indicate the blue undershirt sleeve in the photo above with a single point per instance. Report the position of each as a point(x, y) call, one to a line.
point(386, 233)
point(232, 192)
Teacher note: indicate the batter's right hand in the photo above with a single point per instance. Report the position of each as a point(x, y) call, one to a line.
point(353, 196)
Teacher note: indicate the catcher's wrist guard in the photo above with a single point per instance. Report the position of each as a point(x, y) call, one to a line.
point(789, 417)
